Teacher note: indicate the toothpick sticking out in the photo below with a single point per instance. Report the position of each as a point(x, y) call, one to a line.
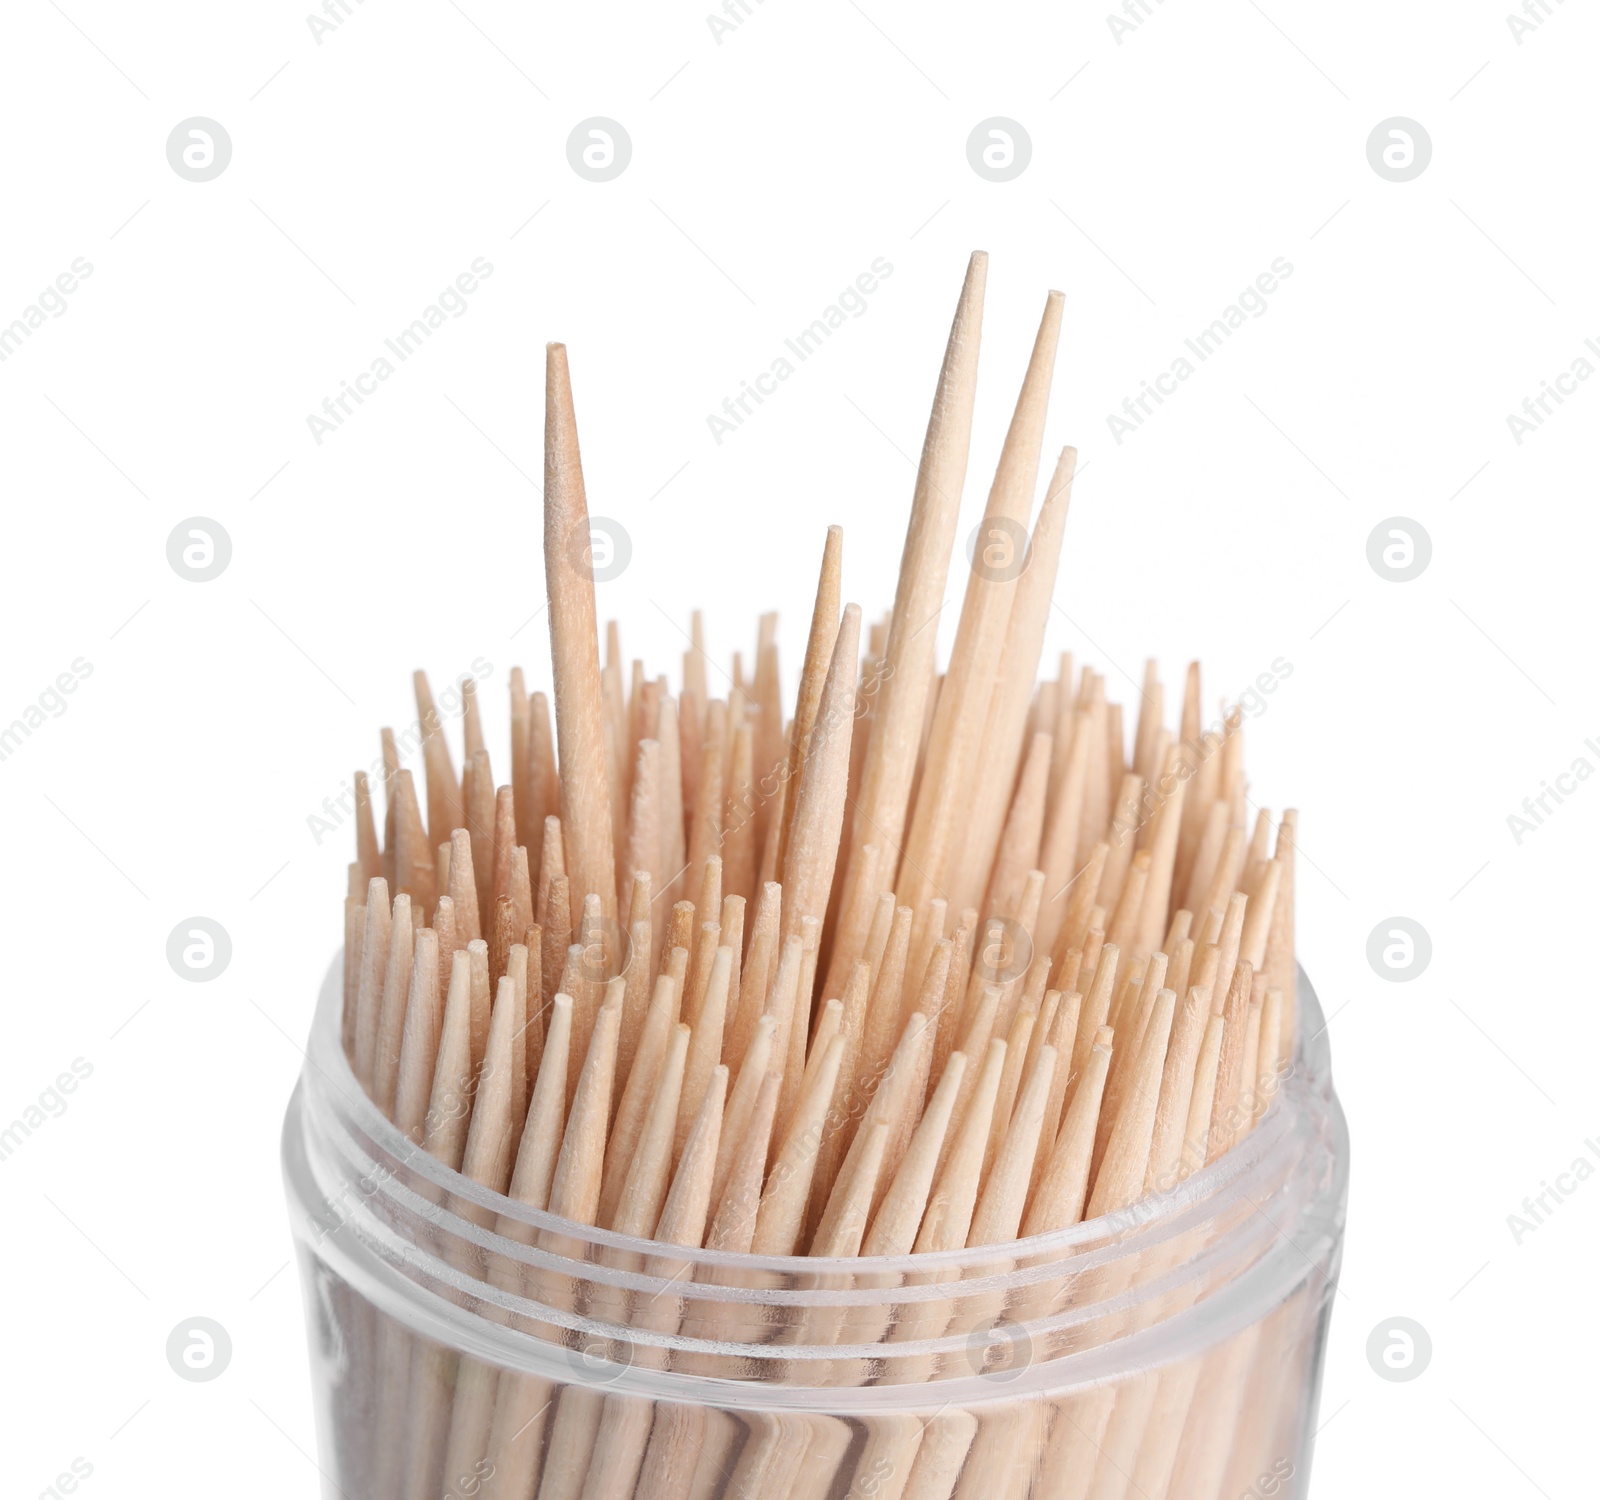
point(586, 813)
point(908, 671)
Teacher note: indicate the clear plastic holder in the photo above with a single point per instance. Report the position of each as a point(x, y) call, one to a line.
point(465, 1346)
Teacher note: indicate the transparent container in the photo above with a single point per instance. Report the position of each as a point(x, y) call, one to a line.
point(465, 1346)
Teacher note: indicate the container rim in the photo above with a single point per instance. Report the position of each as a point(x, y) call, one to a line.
point(1304, 1091)
point(1290, 1223)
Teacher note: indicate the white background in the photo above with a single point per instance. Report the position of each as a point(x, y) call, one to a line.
point(767, 173)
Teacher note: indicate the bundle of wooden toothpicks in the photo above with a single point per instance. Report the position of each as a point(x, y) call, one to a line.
point(914, 961)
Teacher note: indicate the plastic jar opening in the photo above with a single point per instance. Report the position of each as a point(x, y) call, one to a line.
point(526, 1290)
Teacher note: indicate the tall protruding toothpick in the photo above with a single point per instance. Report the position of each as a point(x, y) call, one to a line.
point(961, 715)
point(908, 669)
point(586, 811)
